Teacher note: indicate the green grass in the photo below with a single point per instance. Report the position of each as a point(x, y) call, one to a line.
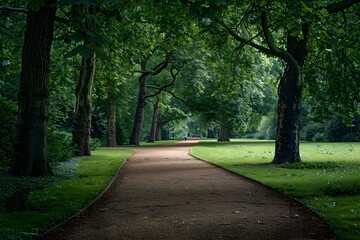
point(328, 179)
point(60, 196)
point(158, 143)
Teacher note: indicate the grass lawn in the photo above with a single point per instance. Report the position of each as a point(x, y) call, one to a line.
point(328, 179)
point(158, 143)
point(30, 206)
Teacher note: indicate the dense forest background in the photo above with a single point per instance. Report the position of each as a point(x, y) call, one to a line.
point(122, 72)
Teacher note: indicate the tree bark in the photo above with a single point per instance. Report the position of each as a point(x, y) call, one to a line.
point(30, 156)
point(158, 132)
point(152, 136)
point(287, 137)
point(289, 102)
point(141, 103)
point(139, 114)
point(82, 121)
point(224, 134)
point(112, 122)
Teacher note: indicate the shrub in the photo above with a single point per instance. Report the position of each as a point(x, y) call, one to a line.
point(95, 143)
point(267, 128)
point(351, 137)
point(8, 119)
point(59, 145)
point(260, 135)
point(249, 136)
point(313, 132)
point(122, 132)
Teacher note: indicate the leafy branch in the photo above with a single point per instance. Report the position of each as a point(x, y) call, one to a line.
point(284, 55)
point(243, 40)
point(174, 72)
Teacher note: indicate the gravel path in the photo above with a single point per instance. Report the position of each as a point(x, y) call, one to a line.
point(163, 193)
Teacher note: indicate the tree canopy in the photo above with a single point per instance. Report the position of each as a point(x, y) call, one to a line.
point(125, 71)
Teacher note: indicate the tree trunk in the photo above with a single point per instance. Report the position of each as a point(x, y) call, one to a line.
point(289, 102)
point(30, 156)
point(152, 136)
point(224, 134)
point(112, 122)
point(82, 121)
point(210, 133)
point(139, 114)
point(287, 137)
point(158, 131)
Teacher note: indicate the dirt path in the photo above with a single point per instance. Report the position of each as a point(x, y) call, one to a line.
point(163, 193)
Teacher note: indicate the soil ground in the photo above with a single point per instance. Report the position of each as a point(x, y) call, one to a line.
point(163, 193)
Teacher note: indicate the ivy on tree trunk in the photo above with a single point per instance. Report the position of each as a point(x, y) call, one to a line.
point(30, 156)
point(82, 121)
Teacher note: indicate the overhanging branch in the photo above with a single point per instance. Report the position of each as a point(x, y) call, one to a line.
point(174, 72)
point(161, 66)
point(243, 40)
point(176, 97)
point(284, 55)
point(340, 6)
point(14, 9)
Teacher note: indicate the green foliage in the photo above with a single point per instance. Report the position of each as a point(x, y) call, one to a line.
point(59, 145)
point(123, 133)
point(328, 179)
point(8, 119)
point(95, 143)
point(40, 203)
point(313, 132)
point(35, 5)
point(266, 128)
point(334, 129)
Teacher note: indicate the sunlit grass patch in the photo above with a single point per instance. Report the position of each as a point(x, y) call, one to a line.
point(327, 179)
point(158, 143)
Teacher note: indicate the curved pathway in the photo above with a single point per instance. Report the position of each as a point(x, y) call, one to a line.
point(163, 193)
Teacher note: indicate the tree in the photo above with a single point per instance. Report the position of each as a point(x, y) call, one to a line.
point(83, 91)
point(154, 121)
point(169, 113)
point(293, 34)
point(142, 95)
point(30, 146)
point(289, 88)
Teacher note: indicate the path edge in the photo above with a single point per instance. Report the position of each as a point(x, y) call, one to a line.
point(269, 187)
point(92, 203)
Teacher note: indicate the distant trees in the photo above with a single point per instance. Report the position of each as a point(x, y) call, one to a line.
point(142, 95)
